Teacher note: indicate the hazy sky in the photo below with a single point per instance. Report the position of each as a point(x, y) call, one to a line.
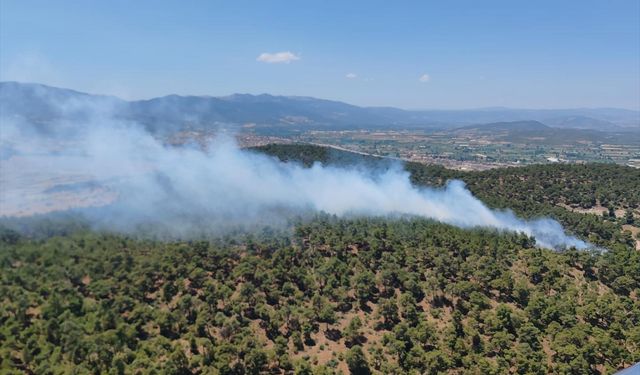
point(410, 54)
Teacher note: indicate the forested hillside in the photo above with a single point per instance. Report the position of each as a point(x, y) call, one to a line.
point(530, 191)
point(328, 295)
point(611, 185)
point(366, 296)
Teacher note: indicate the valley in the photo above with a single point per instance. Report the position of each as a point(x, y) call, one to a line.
point(470, 149)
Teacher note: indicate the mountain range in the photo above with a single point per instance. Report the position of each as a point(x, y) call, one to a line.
point(43, 104)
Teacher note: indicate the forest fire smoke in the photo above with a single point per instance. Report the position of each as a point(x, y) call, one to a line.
point(159, 184)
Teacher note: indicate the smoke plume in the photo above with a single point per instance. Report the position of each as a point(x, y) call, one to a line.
point(152, 183)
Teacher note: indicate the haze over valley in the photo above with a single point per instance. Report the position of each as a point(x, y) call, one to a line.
point(467, 139)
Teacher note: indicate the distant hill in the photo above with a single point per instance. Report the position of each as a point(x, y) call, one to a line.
point(582, 122)
point(254, 109)
point(506, 126)
point(606, 118)
point(37, 102)
point(42, 104)
point(537, 132)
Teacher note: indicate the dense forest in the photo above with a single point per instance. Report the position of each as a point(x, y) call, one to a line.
point(530, 191)
point(610, 185)
point(329, 295)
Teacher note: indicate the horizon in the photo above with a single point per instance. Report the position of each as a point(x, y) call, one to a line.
point(320, 98)
point(416, 56)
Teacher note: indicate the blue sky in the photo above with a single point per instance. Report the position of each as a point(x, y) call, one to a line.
point(525, 54)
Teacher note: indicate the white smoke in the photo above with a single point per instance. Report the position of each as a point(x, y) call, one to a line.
point(159, 184)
